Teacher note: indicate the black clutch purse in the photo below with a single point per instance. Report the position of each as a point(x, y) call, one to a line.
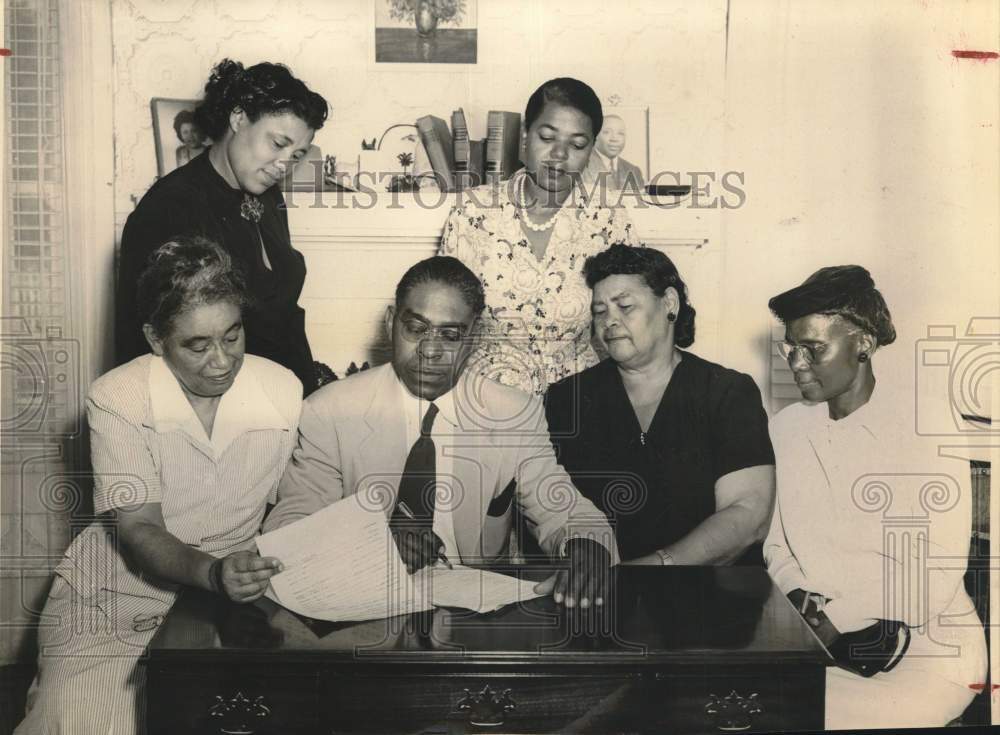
point(874, 649)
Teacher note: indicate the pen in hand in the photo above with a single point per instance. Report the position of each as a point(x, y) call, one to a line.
point(444, 559)
point(405, 510)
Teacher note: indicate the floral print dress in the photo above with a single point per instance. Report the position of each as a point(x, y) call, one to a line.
point(537, 319)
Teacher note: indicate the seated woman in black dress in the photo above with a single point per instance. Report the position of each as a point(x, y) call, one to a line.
point(673, 448)
point(261, 119)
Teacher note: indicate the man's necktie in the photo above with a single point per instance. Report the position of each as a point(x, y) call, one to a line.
point(417, 484)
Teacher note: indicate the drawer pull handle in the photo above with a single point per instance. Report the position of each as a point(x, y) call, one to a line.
point(733, 713)
point(486, 708)
point(239, 715)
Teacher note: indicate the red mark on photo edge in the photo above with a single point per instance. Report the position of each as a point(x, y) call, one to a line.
point(978, 55)
point(6, 52)
point(981, 687)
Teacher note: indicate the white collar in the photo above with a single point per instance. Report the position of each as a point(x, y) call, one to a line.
point(244, 407)
point(412, 404)
point(604, 159)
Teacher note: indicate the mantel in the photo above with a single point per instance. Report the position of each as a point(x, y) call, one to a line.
point(357, 246)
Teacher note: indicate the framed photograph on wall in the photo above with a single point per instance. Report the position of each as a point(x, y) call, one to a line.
point(178, 138)
point(622, 146)
point(426, 31)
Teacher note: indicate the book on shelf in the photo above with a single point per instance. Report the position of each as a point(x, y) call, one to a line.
point(503, 133)
point(436, 137)
point(468, 153)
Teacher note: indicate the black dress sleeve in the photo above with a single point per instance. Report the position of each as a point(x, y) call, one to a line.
point(563, 425)
point(575, 430)
point(160, 216)
point(739, 426)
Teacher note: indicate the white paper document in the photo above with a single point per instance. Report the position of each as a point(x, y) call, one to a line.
point(341, 563)
point(476, 589)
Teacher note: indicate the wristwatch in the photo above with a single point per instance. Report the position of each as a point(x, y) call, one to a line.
point(665, 558)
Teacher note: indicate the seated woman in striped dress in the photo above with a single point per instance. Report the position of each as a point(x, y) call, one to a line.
point(187, 445)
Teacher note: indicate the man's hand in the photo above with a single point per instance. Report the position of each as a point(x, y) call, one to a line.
point(243, 575)
point(587, 579)
point(418, 547)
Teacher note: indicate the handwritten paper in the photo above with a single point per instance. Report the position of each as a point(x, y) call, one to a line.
point(341, 563)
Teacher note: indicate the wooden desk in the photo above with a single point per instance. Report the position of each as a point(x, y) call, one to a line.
point(662, 658)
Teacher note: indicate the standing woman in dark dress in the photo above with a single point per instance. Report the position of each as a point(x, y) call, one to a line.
point(262, 119)
point(672, 448)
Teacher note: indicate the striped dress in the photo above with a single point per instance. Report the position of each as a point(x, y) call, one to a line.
point(148, 446)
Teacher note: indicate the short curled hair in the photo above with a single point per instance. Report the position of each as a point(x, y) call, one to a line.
point(183, 118)
point(568, 92)
point(262, 89)
point(656, 269)
point(446, 270)
point(183, 273)
point(847, 291)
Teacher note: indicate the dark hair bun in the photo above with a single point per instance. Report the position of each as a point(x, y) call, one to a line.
point(261, 89)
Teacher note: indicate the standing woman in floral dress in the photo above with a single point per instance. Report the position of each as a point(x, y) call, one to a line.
point(527, 239)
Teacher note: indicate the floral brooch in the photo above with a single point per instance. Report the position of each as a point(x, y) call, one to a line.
point(251, 208)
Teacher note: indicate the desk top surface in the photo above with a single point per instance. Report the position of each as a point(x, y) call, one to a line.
point(659, 616)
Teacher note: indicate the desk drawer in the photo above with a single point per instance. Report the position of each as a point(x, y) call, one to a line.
point(768, 700)
point(538, 703)
point(231, 701)
point(436, 703)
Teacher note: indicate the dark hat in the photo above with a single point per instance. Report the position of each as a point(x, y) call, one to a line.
point(844, 290)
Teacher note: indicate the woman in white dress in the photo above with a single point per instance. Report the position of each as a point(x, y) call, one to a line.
point(187, 447)
point(527, 239)
point(871, 526)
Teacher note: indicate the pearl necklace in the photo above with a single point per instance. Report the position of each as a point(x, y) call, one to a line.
point(522, 195)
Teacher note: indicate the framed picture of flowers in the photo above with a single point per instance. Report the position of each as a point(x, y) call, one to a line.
point(426, 31)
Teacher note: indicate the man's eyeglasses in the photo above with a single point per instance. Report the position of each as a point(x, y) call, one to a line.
point(415, 330)
point(810, 353)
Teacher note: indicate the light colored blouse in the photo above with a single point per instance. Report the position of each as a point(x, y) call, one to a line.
point(148, 446)
point(869, 515)
point(537, 319)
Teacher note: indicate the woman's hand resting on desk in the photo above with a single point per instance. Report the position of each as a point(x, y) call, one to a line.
point(243, 576)
point(586, 581)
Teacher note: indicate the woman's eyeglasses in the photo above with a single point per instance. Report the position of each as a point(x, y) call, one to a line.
point(810, 353)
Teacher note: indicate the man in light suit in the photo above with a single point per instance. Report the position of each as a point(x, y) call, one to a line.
point(486, 444)
point(606, 158)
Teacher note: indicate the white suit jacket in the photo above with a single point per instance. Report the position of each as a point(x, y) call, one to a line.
point(352, 440)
